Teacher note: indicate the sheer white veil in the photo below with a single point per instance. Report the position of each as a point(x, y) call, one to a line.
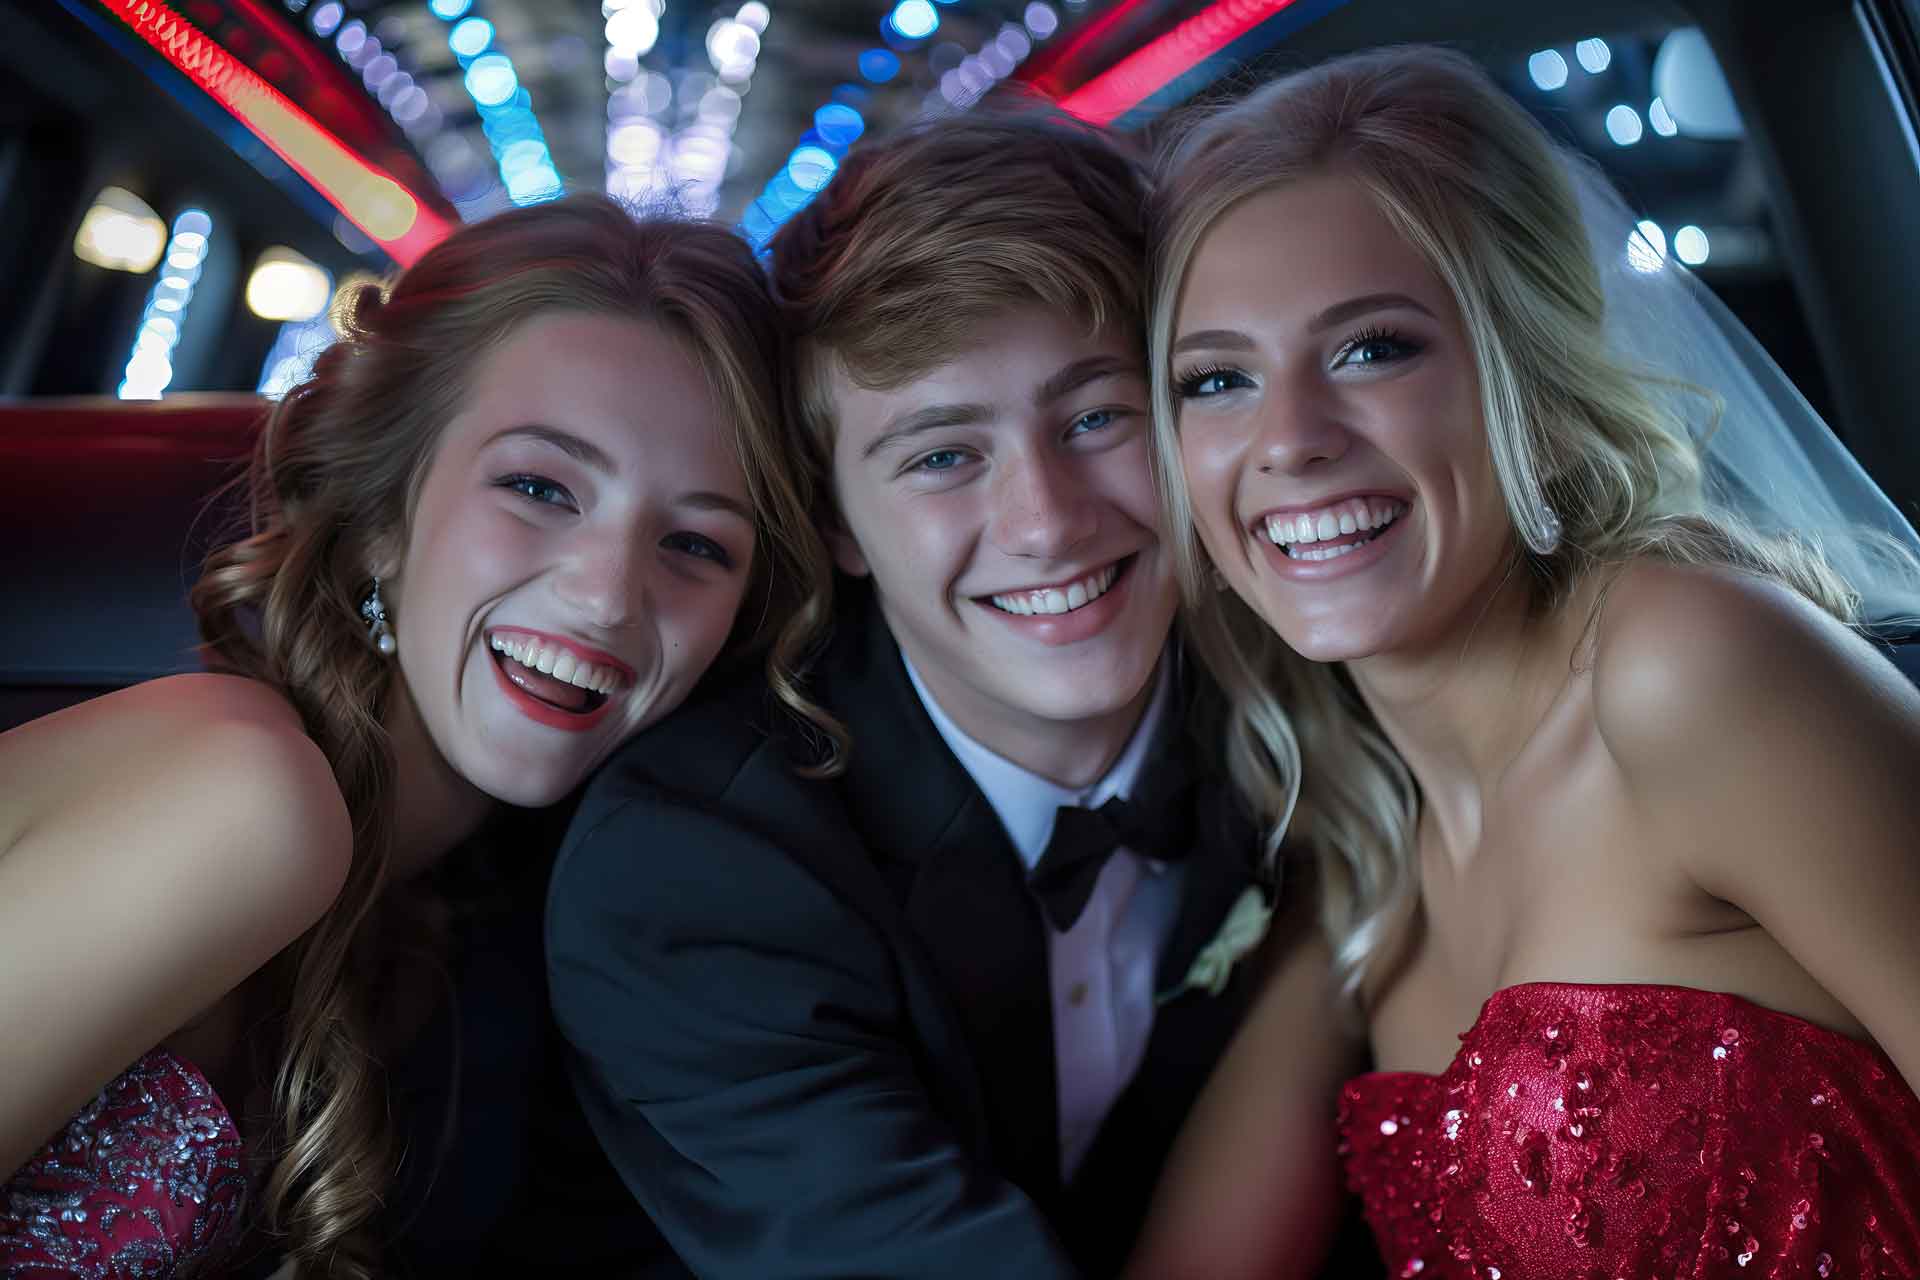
point(1770, 459)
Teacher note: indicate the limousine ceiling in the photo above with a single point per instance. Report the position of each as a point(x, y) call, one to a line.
point(408, 115)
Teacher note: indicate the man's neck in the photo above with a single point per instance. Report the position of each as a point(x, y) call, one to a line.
point(1069, 753)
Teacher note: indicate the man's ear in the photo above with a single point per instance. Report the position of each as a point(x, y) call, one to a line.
point(846, 550)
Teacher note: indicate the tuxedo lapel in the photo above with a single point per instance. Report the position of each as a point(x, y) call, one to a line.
point(1190, 1027)
point(1221, 868)
point(962, 887)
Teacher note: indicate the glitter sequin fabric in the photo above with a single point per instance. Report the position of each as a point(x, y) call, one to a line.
point(1592, 1132)
point(146, 1181)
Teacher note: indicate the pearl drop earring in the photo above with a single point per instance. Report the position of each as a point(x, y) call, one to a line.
point(374, 610)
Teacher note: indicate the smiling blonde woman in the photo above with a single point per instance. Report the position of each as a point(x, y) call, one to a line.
point(1591, 773)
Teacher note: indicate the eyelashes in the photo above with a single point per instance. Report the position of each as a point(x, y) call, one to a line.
point(1194, 383)
point(1373, 346)
point(1391, 344)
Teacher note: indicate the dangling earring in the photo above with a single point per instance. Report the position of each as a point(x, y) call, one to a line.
point(374, 610)
point(1550, 529)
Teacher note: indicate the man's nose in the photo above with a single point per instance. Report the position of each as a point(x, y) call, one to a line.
point(1044, 505)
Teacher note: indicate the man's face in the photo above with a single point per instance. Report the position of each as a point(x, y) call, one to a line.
point(1003, 505)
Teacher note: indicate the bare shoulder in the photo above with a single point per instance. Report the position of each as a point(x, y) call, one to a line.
point(180, 833)
point(1685, 655)
point(218, 763)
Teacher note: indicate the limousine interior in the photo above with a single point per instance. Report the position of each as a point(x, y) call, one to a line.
point(1771, 144)
point(169, 248)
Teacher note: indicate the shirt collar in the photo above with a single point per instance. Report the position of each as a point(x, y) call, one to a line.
point(1024, 801)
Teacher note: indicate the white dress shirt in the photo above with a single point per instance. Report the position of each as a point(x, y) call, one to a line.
point(1101, 971)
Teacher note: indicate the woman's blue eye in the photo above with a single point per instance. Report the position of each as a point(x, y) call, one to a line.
point(1376, 347)
point(1202, 383)
point(538, 489)
point(695, 544)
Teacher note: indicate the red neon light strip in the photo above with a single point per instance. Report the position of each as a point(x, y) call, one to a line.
point(1083, 39)
point(392, 216)
point(1144, 72)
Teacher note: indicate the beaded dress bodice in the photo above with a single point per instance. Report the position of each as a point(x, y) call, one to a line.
point(147, 1180)
point(1640, 1131)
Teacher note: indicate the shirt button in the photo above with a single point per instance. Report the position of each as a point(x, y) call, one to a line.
point(1077, 994)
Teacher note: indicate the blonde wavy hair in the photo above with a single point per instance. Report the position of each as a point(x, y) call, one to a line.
point(1476, 187)
point(334, 477)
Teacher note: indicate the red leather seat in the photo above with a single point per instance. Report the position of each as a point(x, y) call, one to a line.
point(109, 511)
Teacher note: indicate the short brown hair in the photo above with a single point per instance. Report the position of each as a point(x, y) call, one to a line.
point(926, 233)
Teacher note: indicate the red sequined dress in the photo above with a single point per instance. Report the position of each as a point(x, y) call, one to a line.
point(147, 1180)
point(1640, 1131)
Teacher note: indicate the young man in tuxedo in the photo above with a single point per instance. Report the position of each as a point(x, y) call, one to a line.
point(930, 1017)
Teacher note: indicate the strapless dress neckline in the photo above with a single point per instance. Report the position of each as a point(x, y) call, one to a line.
point(1602, 1130)
point(148, 1179)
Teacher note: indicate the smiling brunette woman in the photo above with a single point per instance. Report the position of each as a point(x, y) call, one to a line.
point(509, 522)
point(1592, 774)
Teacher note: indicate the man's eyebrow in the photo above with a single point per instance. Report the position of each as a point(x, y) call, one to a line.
point(936, 417)
point(1081, 372)
point(582, 451)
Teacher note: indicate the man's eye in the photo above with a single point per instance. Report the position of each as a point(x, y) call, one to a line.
point(940, 460)
point(1095, 420)
point(538, 489)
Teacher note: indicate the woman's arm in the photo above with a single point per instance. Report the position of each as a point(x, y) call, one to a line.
point(157, 845)
point(1779, 755)
point(1252, 1187)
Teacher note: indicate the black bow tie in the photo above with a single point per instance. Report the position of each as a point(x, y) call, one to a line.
point(1157, 823)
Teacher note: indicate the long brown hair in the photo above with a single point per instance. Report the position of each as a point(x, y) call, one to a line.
point(334, 478)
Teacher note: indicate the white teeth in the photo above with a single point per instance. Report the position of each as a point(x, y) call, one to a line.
point(1052, 600)
point(1324, 553)
point(1354, 515)
point(559, 663)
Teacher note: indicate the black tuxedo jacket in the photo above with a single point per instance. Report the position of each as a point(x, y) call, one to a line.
point(811, 1021)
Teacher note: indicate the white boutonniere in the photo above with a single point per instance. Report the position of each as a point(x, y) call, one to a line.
point(1245, 925)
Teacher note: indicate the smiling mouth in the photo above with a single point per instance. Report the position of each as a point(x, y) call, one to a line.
point(566, 684)
point(1063, 598)
point(1330, 532)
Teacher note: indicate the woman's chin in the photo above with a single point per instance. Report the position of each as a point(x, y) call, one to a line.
point(1325, 640)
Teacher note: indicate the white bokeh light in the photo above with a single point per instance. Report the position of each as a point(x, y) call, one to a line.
point(1548, 69)
point(1690, 245)
point(1647, 247)
point(1623, 125)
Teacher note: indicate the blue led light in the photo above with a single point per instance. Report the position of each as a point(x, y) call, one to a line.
point(491, 81)
point(470, 38)
point(879, 65)
point(914, 19)
point(838, 124)
point(811, 168)
point(448, 10)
